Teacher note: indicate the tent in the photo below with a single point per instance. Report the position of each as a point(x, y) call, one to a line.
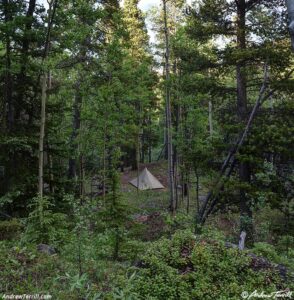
point(146, 181)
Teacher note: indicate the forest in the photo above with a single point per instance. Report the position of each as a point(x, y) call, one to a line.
point(146, 149)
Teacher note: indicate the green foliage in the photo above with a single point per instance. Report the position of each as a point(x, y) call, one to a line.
point(104, 109)
point(187, 268)
point(285, 257)
point(75, 282)
point(180, 221)
point(267, 251)
point(8, 198)
point(286, 244)
point(22, 262)
point(9, 229)
point(44, 225)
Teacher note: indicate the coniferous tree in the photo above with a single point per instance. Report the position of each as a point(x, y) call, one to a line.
point(204, 23)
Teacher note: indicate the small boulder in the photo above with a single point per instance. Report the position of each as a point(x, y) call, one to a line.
point(46, 249)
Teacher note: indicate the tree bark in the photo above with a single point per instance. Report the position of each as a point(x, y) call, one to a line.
point(8, 80)
point(42, 134)
point(21, 78)
point(138, 158)
point(76, 123)
point(290, 8)
point(51, 13)
point(210, 118)
point(244, 167)
point(188, 191)
point(168, 113)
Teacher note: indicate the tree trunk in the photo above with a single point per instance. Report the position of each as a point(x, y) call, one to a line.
point(210, 118)
point(188, 191)
point(149, 140)
point(76, 123)
point(244, 168)
point(230, 160)
point(197, 189)
point(42, 134)
point(143, 141)
point(51, 13)
point(133, 158)
point(149, 153)
point(104, 166)
point(290, 8)
point(138, 159)
point(26, 41)
point(8, 80)
point(82, 178)
point(168, 113)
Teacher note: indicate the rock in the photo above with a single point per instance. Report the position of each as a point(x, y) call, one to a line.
point(242, 240)
point(231, 245)
point(202, 198)
point(46, 249)
point(260, 263)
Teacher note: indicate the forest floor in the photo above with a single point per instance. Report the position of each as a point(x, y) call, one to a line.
point(149, 225)
point(150, 207)
point(156, 198)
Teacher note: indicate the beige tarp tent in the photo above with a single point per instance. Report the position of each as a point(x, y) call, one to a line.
point(146, 181)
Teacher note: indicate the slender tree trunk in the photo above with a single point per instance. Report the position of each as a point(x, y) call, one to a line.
point(210, 118)
point(244, 168)
point(197, 190)
point(8, 80)
point(149, 153)
point(188, 192)
point(143, 141)
point(138, 158)
point(42, 134)
point(76, 123)
point(133, 158)
point(50, 163)
point(149, 140)
point(104, 166)
point(168, 113)
point(51, 13)
point(290, 8)
point(73, 162)
point(26, 41)
point(49, 155)
point(28, 26)
point(82, 178)
point(182, 186)
point(176, 185)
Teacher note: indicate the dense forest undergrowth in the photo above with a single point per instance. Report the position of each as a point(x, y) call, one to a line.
point(157, 256)
point(199, 120)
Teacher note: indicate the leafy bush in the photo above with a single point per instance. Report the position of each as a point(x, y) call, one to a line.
point(187, 267)
point(9, 229)
point(266, 250)
point(286, 244)
point(26, 263)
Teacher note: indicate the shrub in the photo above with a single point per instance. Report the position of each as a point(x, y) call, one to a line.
point(9, 229)
point(267, 251)
point(44, 225)
point(186, 267)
